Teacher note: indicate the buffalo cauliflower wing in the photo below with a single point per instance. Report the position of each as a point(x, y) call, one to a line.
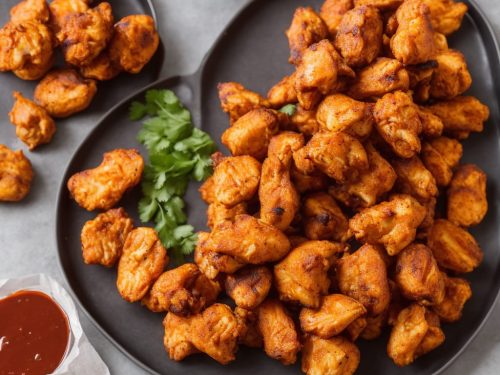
point(237, 101)
point(451, 77)
point(440, 156)
point(16, 175)
point(446, 15)
point(414, 179)
point(457, 293)
point(249, 287)
point(30, 10)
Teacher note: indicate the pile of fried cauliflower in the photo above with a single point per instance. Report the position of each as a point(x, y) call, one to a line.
point(94, 49)
point(324, 228)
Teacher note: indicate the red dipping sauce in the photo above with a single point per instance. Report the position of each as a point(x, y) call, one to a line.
point(34, 334)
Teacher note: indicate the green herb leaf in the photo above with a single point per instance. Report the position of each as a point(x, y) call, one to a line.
point(289, 109)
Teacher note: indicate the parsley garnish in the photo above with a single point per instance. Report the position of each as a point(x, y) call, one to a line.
point(178, 152)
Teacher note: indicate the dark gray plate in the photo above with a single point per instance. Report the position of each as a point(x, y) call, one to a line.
point(254, 51)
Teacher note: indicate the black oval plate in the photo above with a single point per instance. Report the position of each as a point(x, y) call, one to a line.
point(254, 51)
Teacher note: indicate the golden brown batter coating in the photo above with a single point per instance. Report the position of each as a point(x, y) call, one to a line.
point(306, 28)
point(334, 315)
point(420, 78)
point(323, 218)
point(236, 179)
point(278, 332)
point(249, 287)
point(102, 187)
point(414, 179)
point(283, 92)
point(332, 12)
point(432, 125)
point(134, 43)
point(374, 326)
point(251, 133)
point(446, 15)
point(30, 10)
point(34, 126)
point(453, 247)
point(248, 332)
point(60, 9)
point(371, 185)
point(392, 224)
point(415, 333)
point(63, 92)
point(207, 190)
point(314, 181)
point(457, 293)
point(281, 145)
point(102, 68)
point(16, 174)
point(237, 101)
point(336, 154)
point(177, 338)
point(183, 291)
point(339, 112)
point(249, 240)
point(103, 237)
point(142, 262)
point(359, 36)
point(302, 277)
point(418, 276)
point(451, 77)
point(84, 36)
point(383, 76)
point(305, 121)
point(461, 115)
point(413, 42)
point(218, 212)
point(398, 122)
point(380, 4)
point(362, 275)
point(467, 202)
point(27, 49)
point(440, 156)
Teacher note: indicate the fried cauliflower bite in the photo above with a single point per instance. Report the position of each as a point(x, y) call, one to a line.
point(218, 212)
point(281, 144)
point(306, 28)
point(356, 328)
point(374, 326)
point(249, 287)
point(336, 154)
point(453, 247)
point(236, 180)
point(332, 12)
point(302, 277)
point(101, 68)
point(457, 293)
point(63, 92)
point(237, 101)
point(467, 202)
point(336, 356)
point(416, 332)
point(418, 276)
point(283, 92)
point(362, 275)
point(279, 200)
point(339, 112)
point(371, 185)
point(278, 332)
point(26, 48)
point(461, 115)
point(359, 36)
point(451, 77)
point(84, 36)
point(212, 263)
point(251, 133)
point(184, 291)
point(16, 174)
point(383, 76)
point(30, 10)
point(248, 332)
point(61, 9)
point(420, 79)
point(318, 73)
point(249, 240)
point(446, 15)
point(414, 179)
point(142, 262)
point(440, 156)
point(102, 187)
point(33, 124)
point(392, 224)
point(213, 332)
point(305, 121)
point(383, 5)
point(314, 181)
point(413, 42)
point(426, 225)
point(398, 122)
point(103, 237)
point(135, 41)
point(432, 126)
point(334, 315)
point(323, 218)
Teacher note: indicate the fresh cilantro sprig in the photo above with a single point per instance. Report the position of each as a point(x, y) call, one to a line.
point(178, 153)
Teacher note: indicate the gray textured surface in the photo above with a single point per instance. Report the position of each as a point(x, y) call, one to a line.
point(27, 244)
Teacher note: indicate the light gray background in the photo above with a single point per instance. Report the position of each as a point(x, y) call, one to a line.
point(27, 244)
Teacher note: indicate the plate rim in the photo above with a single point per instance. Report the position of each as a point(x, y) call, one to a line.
point(197, 76)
